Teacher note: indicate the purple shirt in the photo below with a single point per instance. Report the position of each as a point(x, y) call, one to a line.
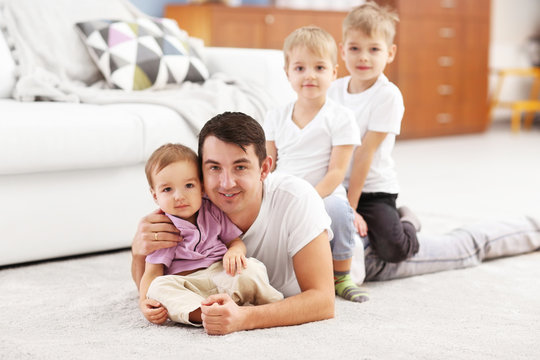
point(203, 244)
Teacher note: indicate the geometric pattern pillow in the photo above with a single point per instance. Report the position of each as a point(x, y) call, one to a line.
point(142, 54)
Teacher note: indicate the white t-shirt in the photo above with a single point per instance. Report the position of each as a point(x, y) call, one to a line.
point(306, 152)
point(379, 108)
point(292, 214)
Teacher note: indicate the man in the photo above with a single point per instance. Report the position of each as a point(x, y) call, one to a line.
point(284, 223)
point(285, 229)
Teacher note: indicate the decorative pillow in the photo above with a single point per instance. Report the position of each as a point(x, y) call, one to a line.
point(147, 53)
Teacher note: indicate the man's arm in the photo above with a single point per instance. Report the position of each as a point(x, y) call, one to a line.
point(155, 231)
point(313, 269)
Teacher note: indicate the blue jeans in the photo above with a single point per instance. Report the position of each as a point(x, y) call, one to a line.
point(345, 235)
point(463, 247)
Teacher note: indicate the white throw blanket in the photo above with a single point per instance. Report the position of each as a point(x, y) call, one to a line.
point(54, 65)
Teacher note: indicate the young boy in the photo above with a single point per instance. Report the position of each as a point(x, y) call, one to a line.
point(193, 267)
point(372, 186)
point(313, 138)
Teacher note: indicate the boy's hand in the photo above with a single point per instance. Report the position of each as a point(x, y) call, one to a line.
point(234, 261)
point(360, 224)
point(153, 311)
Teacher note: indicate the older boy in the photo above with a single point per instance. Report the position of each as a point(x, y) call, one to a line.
point(371, 182)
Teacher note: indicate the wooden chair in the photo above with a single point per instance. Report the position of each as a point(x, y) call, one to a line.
point(529, 107)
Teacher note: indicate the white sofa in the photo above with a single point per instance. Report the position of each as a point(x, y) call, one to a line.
point(72, 174)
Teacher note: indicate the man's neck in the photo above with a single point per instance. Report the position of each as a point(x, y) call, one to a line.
point(245, 218)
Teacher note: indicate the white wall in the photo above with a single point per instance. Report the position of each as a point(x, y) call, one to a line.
point(512, 22)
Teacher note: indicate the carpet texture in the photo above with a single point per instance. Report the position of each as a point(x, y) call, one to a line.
point(86, 307)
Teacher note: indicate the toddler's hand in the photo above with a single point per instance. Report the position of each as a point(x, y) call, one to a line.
point(234, 261)
point(153, 311)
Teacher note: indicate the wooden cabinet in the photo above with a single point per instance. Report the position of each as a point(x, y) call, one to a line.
point(441, 65)
point(251, 26)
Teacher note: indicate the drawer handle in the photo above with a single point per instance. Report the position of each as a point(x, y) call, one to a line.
point(269, 19)
point(446, 61)
point(444, 118)
point(448, 4)
point(445, 90)
point(447, 33)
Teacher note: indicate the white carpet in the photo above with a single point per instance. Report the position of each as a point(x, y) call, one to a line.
point(86, 308)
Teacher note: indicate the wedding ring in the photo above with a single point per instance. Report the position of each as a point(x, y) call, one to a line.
point(155, 236)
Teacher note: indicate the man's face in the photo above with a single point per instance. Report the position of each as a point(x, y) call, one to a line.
point(233, 178)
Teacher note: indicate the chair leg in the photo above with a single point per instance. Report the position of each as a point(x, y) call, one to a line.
point(528, 120)
point(535, 92)
point(516, 120)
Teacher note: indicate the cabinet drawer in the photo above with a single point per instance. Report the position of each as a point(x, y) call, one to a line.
point(428, 120)
point(441, 8)
point(231, 29)
point(473, 9)
point(437, 90)
point(433, 61)
point(446, 33)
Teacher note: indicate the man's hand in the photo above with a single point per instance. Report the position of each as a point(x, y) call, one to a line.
point(360, 224)
point(220, 315)
point(234, 261)
point(155, 231)
point(153, 311)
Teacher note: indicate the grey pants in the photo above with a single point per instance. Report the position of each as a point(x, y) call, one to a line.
point(463, 247)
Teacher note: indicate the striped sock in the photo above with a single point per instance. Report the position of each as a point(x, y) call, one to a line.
point(347, 289)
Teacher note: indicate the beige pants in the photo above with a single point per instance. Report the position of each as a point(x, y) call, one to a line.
point(182, 295)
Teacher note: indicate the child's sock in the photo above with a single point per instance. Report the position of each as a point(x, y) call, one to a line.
point(347, 289)
point(406, 214)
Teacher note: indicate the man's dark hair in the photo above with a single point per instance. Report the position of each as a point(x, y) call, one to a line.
point(235, 128)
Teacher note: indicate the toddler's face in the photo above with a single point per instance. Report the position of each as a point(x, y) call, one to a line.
point(366, 56)
point(310, 75)
point(177, 190)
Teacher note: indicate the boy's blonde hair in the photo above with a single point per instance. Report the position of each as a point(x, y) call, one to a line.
point(315, 39)
point(166, 155)
point(372, 18)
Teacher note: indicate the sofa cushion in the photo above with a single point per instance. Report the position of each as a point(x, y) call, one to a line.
point(41, 137)
point(51, 136)
point(142, 54)
point(7, 68)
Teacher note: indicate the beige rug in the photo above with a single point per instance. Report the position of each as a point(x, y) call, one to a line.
point(86, 308)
